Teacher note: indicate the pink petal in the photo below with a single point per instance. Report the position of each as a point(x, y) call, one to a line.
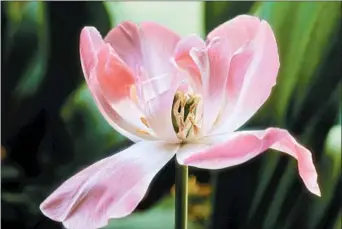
point(125, 40)
point(158, 70)
point(190, 149)
point(113, 75)
point(185, 61)
point(208, 68)
point(91, 45)
point(90, 42)
point(148, 50)
point(110, 188)
point(115, 80)
point(158, 113)
point(163, 78)
point(242, 146)
point(157, 100)
point(252, 74)
point(122, 116)
point(220, 54)
point(238, 31)
point(158, 44)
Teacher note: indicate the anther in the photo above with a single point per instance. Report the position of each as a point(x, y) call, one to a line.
point(144, 121)
point(184, 115)
point(143, 132)
point(133, 94)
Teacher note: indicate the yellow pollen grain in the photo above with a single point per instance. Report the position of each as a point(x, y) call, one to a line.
point(143, 132)
point(218, 117)
point(144, 121)
point(133, 94)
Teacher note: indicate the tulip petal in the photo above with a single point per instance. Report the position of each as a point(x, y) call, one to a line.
point(239, 147)
point(253, 72)
point(208, 68)
point(110, 188)
point(90, 42)
point(162, 78)
point(125, 40)
point(158, 44)
point(116, 81)
point(147, 50)
point(124, 124)
point(220, 54)
point(158, 112)
point(113, 75)
point(239, 31)
point(158, 73)
point(93, 65)
point(185, 61)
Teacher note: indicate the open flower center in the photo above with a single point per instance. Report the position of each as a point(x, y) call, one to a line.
point(184, 110)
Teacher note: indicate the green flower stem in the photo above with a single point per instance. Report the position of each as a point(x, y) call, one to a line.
point(181, 200)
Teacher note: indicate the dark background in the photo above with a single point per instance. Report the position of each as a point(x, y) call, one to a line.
point(50, 127)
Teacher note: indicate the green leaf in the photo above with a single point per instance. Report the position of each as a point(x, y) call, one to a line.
point(268, 167)
point(304, 200)
point(279, 196)
point(26, 49)
point(338, 222)
point(329, 174)
point(302, 40)
point(316, 135)
point(218, 12)
point(33, 76)
point(322, 35)
point(161, 215)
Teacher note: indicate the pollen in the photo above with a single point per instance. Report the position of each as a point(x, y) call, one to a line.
point(133, 94)
point(143, 132)
point(184, 115)
point(144, 121)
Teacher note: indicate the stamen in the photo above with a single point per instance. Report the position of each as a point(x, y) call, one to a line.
point(133, 94)
point(144, 121)
point(143, 132)
point(184, 115)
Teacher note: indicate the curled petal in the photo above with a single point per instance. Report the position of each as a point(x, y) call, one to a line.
point(208, 68)
point(219, 53)
point(158, 44)
point(113, 75)
point(185, 61)
point(239, 31)
point(90, 42)
point(110, 188)
point(158, 113)
point(147, 50)
point(101, 66)
point(125, 40)
point(122, 122)
point(239, 147)
point(252, 74)
point(158, 75)
point(116, 81)
point(159, 79)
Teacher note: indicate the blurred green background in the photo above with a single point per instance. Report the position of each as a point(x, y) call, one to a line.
point(50, 127)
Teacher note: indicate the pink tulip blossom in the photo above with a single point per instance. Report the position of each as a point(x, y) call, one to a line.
point(173, 96)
